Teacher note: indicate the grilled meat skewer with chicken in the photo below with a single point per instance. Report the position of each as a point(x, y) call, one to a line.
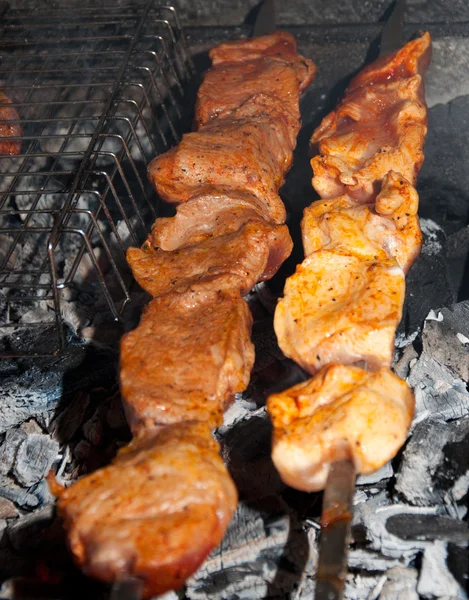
point(341, 307)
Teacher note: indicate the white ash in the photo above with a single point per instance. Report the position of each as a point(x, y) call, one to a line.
point(433, 235)
point(435, 579)
point(246, 564)
point(399, 584)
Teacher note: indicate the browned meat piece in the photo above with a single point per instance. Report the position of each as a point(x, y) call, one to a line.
point(235, 261)
point(387, 228)
point(155, 513)
point(9, 130)
point(379, 126)
point(342, 413)
point(187, 358)
point(214, 211)
point(251, 153)
point(340, 308)
point(241, 69)
point(280, 46)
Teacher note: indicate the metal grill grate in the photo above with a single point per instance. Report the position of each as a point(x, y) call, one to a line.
point(99, 92)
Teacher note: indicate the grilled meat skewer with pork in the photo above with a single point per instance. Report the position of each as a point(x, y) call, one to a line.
point(158, 510)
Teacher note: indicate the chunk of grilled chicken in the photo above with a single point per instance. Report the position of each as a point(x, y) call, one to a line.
point(187, 358)
point(342, 413)
point(387, 228)
point(242, 68)
point(234, 261)
point(8, 128)
point(340, 308)
point(379, 126)
point(155, 513)
point(223, 211)
point(249, 150)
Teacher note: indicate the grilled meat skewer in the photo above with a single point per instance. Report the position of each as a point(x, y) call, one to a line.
point(343, 304)
point(157, 511)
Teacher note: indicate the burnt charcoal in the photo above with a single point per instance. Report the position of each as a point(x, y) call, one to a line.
point(7, 509)
point(437, 390)
point(265, 554)
point(428, 527)
point(404, 361)
point(29, 389)
point(385, 472)
point(444, 197)
point(428, 287)
point(371, 517)
point(35, 456)
point(9, 448)
point(369, 560)
point(361, 585)
point(436, 580)
point(31, 426)
point(457, 253)
point(433, 461)
point(457, 560)
point(21, 497)
point(24, 533)
point(246, 452)
point(447, 345)
point(400, 584)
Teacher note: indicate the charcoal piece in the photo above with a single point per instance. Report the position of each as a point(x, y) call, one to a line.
point(265, 553)
point(9, 448)
point(21, 497)
point(444, 193)
point(457, 560)
point(7, 509)
point(31, 426)
point(385, 472)
point(369, 560)
point(42, 386)
point(444, 339)
point(24, 533)
point(360, 586)
point(433, 461)
point(371, 517)
point(436, 580)
point(34, 458)
point(437, 391)
point(400, 584)
point(403, 364)
point(457, 253)
point(247, 453)
point(428, 527)
point(428, 287)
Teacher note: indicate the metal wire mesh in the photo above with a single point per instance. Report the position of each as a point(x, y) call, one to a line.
point(99, 92)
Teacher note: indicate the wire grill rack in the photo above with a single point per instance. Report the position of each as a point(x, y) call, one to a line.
point(99, 92)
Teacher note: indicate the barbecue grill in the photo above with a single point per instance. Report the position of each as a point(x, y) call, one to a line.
point(100, 91)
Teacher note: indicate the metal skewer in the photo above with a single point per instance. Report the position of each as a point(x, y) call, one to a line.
point(130, 588)
point(336, 521)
